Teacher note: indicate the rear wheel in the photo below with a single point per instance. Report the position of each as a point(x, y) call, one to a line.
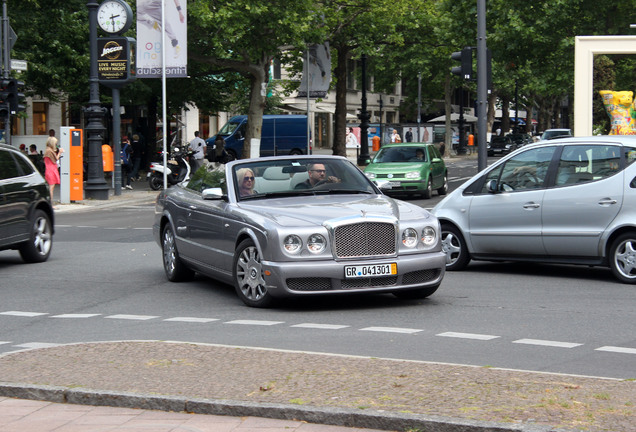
point(155, 182)
point(38, 247)
point(295, 152)
point(454, 246)
point(414, 294)
point(248, 276)
point(623, 258)
point(426, 194)
point(176, 270)
point(444, 189)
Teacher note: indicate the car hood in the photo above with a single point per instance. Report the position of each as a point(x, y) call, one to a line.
point(303, 211)
point(395, 167)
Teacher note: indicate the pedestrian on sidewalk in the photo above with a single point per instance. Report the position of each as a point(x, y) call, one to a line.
point(126, 163)
point(197, 145)
point(51, 157)
point(138, 153)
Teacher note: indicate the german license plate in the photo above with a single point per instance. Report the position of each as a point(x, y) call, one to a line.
point(370, 270)
point(395, 184)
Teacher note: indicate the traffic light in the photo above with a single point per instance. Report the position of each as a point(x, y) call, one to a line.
point(465, 56)
point(16, 97)
point(4, 90)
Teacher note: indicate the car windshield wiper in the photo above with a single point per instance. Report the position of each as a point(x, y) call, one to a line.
point(343, 191)
point(290, 193)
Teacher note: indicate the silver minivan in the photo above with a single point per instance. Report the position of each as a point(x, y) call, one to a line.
point(561, 201)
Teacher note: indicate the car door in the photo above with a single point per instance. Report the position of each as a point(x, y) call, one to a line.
point(437, 166)
point(14, 201)
point(584, 201)
point(508, 221)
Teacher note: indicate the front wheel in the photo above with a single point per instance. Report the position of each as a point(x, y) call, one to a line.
point(176, 270)
point(623, 258)
point(155, 182)
point(444, 189)
point(248, 276)
point(38, 247)
point(454, 246)
point(429, 189)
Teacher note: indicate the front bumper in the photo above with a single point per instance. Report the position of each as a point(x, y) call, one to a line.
point(287, 279)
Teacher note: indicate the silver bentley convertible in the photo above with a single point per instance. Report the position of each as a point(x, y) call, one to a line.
point(297, 226)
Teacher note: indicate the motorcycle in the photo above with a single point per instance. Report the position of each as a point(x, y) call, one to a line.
point(178, 169)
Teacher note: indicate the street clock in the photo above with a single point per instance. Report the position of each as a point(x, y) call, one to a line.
point(114, 16)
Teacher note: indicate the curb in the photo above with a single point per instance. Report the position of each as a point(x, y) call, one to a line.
point(328, 416)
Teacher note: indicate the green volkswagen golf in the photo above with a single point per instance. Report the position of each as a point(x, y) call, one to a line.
point(409, 168)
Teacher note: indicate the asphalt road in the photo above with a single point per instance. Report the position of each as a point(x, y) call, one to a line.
point(104, 281)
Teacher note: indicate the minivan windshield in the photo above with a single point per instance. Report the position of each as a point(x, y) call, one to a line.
point(229, 128)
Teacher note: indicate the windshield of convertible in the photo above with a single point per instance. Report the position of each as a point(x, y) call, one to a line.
point(298, 177)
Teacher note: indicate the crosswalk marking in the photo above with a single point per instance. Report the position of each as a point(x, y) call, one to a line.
point(547, 343)
point(320, 326)
point(23, 314)
point(132, 317)
point(474, 336)
point(616, 349)
point(254, 322)
point(191, 319)
point(391, 330)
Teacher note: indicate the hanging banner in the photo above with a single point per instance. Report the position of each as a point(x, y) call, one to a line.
point(316, 73)
point(149, 44)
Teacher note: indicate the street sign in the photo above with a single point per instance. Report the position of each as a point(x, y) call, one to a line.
point(12, 37)
point(18, 65)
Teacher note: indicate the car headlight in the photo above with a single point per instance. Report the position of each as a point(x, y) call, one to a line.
point(409, 238)
point(292, 243)
point(316, 243)
point(429, 236)
point(370, 175)
point(412, 175)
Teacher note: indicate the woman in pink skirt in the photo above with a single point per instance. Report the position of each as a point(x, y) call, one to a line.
point(51, 173)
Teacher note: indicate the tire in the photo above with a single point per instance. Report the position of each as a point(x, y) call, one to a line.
point(248, 276)
point(415, 294)
point(444, 189)
point(155, 182)
point(38, 247)
point(454, 246)
point(295, 152)
point(176, 270)
point(428, 192)
point(622, 258)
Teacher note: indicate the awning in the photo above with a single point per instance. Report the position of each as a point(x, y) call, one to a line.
point(455, 118)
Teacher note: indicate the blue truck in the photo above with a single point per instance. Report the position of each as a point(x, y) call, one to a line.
point(281, 135)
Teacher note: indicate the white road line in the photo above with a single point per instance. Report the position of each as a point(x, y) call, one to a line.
point(86, 226)
point(132, 317)
point(616, 349)
point(116, 228)
point(4, 342)
point(391, 330)
point(37, 345)
point(23, 314)
point(468, 336)
point(75, 316)
point(547, 343)
point(321, 326)
point(143, 228)
point(191, 319)
point(254, 322)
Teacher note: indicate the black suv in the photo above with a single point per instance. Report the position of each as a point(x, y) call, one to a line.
point(500, 145)
point(26, 213)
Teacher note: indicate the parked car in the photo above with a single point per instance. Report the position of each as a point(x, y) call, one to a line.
point(520, 139)
point(26, 213)
point(561, 201)
point(550, 134)
point(500, 145)
point(310, 226)
point(409, 168)
point(280, 135)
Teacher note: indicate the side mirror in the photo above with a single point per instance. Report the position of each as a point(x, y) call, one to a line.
point(493, 186)
point(212, 194)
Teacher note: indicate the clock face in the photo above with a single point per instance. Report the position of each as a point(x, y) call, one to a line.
point(114, 16)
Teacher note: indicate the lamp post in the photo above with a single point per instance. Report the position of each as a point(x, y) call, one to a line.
point(419, 104)
point(363, 157)
point(96, 186)
point(381, 102)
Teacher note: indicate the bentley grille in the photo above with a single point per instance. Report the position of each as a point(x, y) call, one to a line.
point(365, 239)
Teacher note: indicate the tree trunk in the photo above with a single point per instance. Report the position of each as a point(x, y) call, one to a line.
point(505, 115)
point(490, 117)
point(258, 93)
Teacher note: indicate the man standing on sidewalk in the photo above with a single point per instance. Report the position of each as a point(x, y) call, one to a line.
point(197, 145)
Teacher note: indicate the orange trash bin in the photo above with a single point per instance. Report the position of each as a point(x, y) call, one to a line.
point(471, 140)
point(376, 143)
point(108, 161)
